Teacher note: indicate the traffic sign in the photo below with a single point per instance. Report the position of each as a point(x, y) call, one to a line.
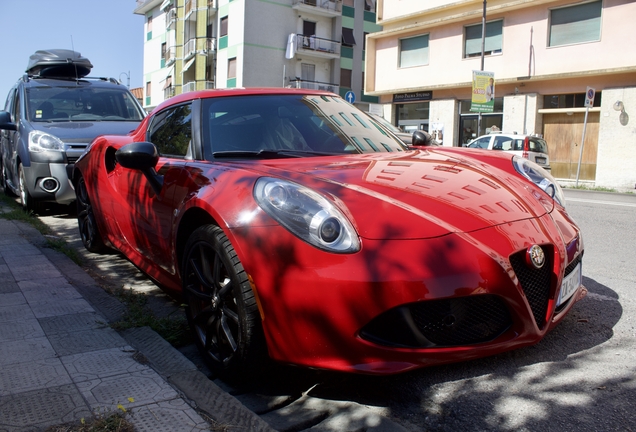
point(589, 97)
point(350, 97)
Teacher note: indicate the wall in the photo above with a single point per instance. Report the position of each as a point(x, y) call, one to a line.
point(616, 159)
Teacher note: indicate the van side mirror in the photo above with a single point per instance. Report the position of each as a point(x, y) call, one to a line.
point(5, 121)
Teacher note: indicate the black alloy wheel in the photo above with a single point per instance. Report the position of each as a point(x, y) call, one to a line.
point(89, 232)
point(220, 304)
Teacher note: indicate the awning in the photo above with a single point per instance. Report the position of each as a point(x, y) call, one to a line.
point(347, 37)
point(168, 83)
point(188, 64)
point(165, 4)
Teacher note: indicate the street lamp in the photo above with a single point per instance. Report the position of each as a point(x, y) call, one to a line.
point(127, 76)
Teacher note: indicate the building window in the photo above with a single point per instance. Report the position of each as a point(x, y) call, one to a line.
point(349, 3)
point(492, 43)
point(575, 24)
point(149, 28)
point(364, 41)
point(369, 5)
point(347, 37)
point(345, 78)
point(223, 30)
point(231, 68)
point(148, 92)
point(575, 100)
point(413, 51)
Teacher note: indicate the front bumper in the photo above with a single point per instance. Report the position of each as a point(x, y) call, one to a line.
point(34, 175)
point(319, 309)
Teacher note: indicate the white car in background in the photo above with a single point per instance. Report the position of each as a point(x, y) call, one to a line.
point(531, 147)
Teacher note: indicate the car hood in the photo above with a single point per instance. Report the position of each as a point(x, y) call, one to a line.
point(417, 194)
point(84, 131)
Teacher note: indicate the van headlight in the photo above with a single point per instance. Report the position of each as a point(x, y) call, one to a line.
point(540, 177)
point(306, 214)
point(41, 141)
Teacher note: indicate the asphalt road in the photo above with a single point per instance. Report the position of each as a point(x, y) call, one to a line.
point(581, 377)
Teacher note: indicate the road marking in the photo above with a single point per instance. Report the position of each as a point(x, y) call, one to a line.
point(599, 202)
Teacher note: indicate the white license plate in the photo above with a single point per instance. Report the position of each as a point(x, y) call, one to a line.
point(570, 283)
point(539, 160)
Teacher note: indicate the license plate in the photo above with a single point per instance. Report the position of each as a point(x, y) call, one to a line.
point(570, 283)
point(540, 160)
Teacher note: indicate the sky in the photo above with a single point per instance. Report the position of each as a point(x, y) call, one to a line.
point(104, 31)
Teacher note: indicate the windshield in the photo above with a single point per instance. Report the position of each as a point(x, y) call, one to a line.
point(75, 103)
point(239, 126)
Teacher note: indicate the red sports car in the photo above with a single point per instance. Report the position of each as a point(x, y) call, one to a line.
point(297, 228)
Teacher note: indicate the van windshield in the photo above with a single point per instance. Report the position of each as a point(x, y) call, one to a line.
point(73, 103)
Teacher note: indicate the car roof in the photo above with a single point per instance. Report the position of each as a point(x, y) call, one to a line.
point(252, 91)
point(64, 82)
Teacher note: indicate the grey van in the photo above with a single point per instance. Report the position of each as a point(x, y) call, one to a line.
point(50, 117)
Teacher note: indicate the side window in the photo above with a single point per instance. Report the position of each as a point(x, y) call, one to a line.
point(171, 131)
point(481, 143)
point(15, 109)
point(502, 143)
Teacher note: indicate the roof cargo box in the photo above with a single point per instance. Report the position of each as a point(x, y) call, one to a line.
point(58, 63)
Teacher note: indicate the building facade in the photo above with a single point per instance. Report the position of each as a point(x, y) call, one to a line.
point(202, 44)
point(544, 56)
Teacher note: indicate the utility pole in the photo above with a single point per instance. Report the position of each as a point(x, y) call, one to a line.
point(483, 49)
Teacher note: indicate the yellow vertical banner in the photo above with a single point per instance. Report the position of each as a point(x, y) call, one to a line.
point(483, 99)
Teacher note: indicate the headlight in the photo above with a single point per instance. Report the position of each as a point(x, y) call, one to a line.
point(540, 177)
point(41, 141)
point(306, 214)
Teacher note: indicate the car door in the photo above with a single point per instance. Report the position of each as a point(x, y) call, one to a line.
point(148, 230)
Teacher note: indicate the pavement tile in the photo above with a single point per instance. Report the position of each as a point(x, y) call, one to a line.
point(102, 364)
point(46, 294)
point(42, 270)
point(71, 323)
point(8, 286)
point(41, 374)
point(16, 313)
point(37, 409)
point(167, 416)
point(13, 250)
point(61, 307)
point(32, 349)
point(85, 341)
point(12, 299)
point(19, 330)
point(130, 390)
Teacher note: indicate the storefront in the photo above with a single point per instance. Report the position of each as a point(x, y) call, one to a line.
point(469, 121)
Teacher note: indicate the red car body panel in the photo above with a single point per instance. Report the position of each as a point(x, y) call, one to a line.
point(433, 224)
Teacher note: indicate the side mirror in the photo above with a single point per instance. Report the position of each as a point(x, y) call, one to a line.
point(5, 121)
point(142, 156)
point(421, 138)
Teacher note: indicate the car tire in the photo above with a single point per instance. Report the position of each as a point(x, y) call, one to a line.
point(220, 305)
point(27, 201)
point(5, 185)
point(89, 232)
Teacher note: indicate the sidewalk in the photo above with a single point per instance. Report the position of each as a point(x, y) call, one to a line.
point(61, 362)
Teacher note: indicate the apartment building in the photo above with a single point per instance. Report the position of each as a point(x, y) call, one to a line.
point(543, 54)
point(203, 44)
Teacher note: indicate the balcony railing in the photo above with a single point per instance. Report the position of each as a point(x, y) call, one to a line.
point(209, 85)
point(190, 6)
point(321, 47)
point(168, 92)
point(190, 48)
point(170, 55)
point(315, 85)
point(171, 18)
point(335, 6)
point(210, 45)
point(188, 87)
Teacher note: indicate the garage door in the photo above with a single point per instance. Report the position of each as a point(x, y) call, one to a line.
point(563, 134)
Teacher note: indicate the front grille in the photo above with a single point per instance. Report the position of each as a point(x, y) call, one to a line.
point(72, 159)
point(441, 323)
point(535, 282)
point(461, 321)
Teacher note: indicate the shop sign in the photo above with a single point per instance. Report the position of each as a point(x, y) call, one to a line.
point(483, 99)
point(412, 97)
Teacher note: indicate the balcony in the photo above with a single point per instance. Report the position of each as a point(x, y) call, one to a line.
point(190, 86)
point(170, 56)
point(171, 19)
point(189, 49)
point(168, 92)
point(315, 85)
point(209, 85)
point(210, 45)
point(318, 7)
point(317, 47)
point(190, 7)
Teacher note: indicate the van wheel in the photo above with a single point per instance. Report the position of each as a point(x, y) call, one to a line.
point(28, 203)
